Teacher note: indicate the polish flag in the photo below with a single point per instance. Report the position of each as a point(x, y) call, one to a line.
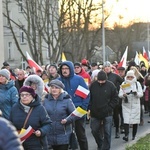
point(32, 63)
point(82, 92)
point(79, 112)
point(123, 62)
point(145, 54)
point(25, 133)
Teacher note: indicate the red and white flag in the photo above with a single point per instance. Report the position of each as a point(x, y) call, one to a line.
point(25, 133)
point(82, 92)
point(32, 63)
point(145, 55)
point(123, 61)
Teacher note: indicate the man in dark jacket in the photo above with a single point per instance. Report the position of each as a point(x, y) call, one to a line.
point(8, 136)
point(72, 82)
point(103, 99)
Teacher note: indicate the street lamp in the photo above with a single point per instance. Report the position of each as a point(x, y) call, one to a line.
point(103, 31)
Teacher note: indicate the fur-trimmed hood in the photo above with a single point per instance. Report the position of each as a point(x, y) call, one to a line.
point(38, 80)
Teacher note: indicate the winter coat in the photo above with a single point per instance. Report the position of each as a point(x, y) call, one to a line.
point(85, 76)
point(38, 120)
point(71, 84)
point(131, 105)
point(40, 91)
point(8, 97)
point(8, 136)
point(59, 109)
point(103, 99)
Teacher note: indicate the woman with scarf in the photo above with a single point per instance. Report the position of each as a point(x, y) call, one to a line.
point(29, 112)
point(130, 92)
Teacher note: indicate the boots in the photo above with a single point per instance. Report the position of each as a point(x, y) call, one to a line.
point(117, 134)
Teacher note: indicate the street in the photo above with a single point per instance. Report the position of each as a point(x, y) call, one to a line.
point(120, 144)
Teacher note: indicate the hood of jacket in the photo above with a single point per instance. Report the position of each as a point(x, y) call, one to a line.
point(71, 68)
point(37, 80)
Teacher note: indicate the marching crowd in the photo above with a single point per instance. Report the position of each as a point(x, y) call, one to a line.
point(44, 100)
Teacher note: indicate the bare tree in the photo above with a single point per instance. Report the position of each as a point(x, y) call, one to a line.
point(58, 26)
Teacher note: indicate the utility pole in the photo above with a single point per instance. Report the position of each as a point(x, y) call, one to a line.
point(103, 32)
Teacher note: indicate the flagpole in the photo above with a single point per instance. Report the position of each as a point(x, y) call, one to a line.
point(103, 32)
point(148, 35)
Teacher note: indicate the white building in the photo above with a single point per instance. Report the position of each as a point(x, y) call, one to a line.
point(12, 55)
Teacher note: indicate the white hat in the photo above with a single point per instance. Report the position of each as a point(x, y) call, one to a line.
point(130, 73)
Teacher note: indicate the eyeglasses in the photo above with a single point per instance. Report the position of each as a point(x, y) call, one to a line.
point(65, 68)
point(26, 95)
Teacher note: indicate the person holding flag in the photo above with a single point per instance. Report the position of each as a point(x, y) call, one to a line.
point(78, 89)
point(103, 99)
point(28, 113)
point(61, 110)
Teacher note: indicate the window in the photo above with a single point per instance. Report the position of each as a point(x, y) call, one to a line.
point(10, 51)
point(22, 36)
point(20, 6)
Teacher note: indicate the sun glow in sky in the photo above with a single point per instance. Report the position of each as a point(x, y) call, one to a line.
point(131, 10)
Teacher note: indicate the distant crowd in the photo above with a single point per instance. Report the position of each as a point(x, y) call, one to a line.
point(44, 99)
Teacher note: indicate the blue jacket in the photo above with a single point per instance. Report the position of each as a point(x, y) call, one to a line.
point(38, 120)
point(8, 97)
point(8, 136)
point(59, 109)
point(71, 84)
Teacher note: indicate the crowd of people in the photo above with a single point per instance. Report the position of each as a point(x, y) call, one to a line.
point(46, 99)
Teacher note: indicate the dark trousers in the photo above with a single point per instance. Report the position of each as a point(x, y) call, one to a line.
point(134, 130)
point(103, 140)
point(60, 147)
point(81, 133)
point(116, 117)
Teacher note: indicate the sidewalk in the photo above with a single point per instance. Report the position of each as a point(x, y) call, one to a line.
point(120, 144)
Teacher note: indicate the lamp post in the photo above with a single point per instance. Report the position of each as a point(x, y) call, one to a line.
point(103, 32)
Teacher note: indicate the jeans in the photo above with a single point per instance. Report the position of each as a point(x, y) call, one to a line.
point(103, 139)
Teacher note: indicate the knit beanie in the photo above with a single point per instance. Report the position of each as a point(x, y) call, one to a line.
point(101, 76)
point(5, 73)
point(27, 89)
point(130, 73)
point(54, 65)
point(77, 64)
point(107, 64)
point(57, 83)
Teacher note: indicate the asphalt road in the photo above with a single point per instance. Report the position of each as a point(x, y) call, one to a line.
point(120, 144)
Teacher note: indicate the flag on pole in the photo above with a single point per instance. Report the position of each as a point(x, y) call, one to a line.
point(32, 63)
point(123, 61)
point(136, 59)
point(142, 59)
point(25, 133)
point(82, 92)
point(79, 112)
point(145, 55)
point(63, 57)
